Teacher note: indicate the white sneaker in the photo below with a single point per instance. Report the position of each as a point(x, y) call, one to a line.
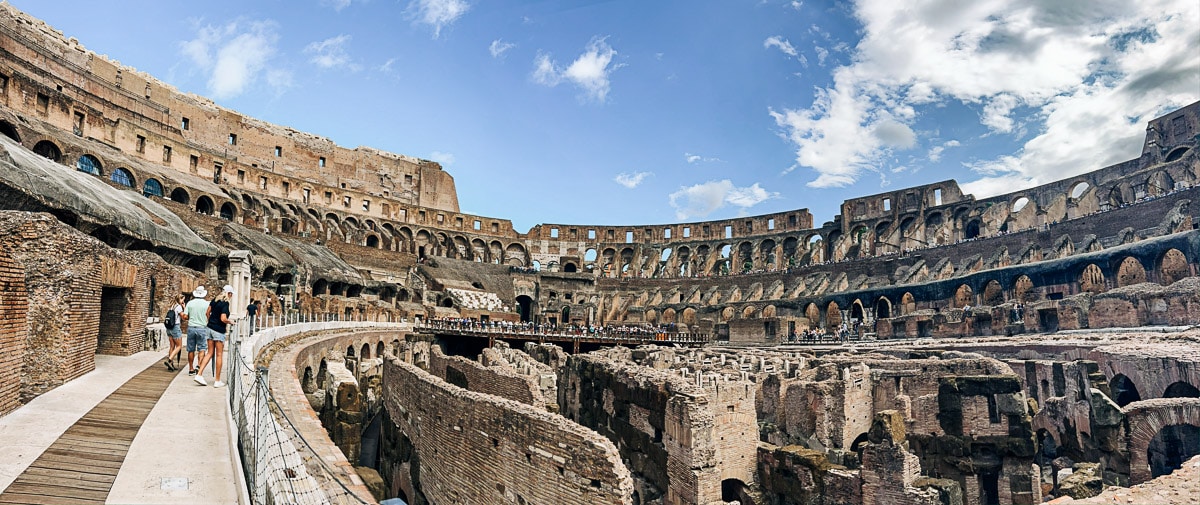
point(200, 380)
point(218, 384)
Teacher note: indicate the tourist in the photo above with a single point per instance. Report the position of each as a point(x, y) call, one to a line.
point(174, 332)
point(218, 321)
point(251, 315)
point(195, 316)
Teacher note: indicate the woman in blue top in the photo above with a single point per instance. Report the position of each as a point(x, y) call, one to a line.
point(218, 322)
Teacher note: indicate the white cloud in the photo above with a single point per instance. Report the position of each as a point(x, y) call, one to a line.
point(446, 159)
point(696, 158)
point(782, 44)
point(330, 53)
point(935, 152)
point(235, 56)
point(1083, 76)
point(437, 13)
point(631, 180)
point(703, 199)
point(499, 47)
point(822, 53)
point(996, 114)
point(590, 71)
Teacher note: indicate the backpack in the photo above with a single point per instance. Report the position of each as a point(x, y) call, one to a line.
point(169, 320)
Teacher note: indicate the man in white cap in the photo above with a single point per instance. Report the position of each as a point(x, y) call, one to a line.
point(195, 316)
point(218, 324)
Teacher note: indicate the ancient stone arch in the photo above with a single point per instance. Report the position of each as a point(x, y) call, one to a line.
point(964, 296)
point(1173, 266)
point(883, 308)
point(908, 304)
point(833, 315)
point(1146, 419)
point(1092, 279)
point(1130, 272)
point(1023, 290)
point(993, 293)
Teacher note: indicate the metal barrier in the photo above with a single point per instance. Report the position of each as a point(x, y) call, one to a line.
point(280, 465)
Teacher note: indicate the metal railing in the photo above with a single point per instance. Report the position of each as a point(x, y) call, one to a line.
point(279, 464)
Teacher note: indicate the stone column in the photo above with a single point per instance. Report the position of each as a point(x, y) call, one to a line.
point(239, 278)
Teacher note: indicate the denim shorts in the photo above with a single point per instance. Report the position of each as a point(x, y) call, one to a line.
point(213, 335)
point(197, 339)
point(175, 333)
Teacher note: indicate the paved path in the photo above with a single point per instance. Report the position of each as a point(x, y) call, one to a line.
point(128, 432)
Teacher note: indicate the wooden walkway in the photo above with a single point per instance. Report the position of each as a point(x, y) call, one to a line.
point(81, 466)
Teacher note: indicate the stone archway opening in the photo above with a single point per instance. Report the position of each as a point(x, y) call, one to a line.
point(524, 307)
point(1124, 390)
point(735, 490)
point(113, 303)
point(1181, 390)
point(1171, 446)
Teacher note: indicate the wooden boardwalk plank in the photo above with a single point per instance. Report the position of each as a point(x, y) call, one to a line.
point(81, 466)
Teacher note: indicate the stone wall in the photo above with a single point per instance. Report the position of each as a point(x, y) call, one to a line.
point(83, 298)
point(457, 446)
point(14, 304)
point(501, 381)
point(680, 437)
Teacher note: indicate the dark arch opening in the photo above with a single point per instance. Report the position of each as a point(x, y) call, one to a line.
point(9, 131)
point(883, 309)
point(735, 490)
point(47, 149)
point(972, 230)
point(569, 267)
point(1181, 390)
point(1176, 154)
point(366, 351)
point(321, 373)
point(228, 211)
point(204, 205)
point(309, 383)
point(1171, 446)
point(180, 195)
point(1124, 391)
point(372, 241)
point(524, 305)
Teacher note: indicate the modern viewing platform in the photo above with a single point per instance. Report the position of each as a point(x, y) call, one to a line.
point(129, 431)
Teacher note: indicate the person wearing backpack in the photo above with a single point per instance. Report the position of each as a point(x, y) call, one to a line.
point(172, 322)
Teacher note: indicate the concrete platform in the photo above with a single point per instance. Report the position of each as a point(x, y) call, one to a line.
point(183, 452)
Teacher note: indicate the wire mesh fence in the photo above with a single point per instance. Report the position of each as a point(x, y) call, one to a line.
point(279, 464)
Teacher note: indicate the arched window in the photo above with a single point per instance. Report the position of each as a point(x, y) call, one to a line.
point(47, 149)
point(227, 211)
point(122, 177)
point(152, 188)
point(180, 195)
point(88, 163)
point(204, 205)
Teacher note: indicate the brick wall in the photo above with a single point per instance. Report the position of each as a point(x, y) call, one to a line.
point(13, 306)
point(470, 447)
point(494, 380)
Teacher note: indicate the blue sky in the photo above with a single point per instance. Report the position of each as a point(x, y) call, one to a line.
point(647, 112)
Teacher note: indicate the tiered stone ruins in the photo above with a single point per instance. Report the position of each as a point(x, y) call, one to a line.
point(922, 347)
